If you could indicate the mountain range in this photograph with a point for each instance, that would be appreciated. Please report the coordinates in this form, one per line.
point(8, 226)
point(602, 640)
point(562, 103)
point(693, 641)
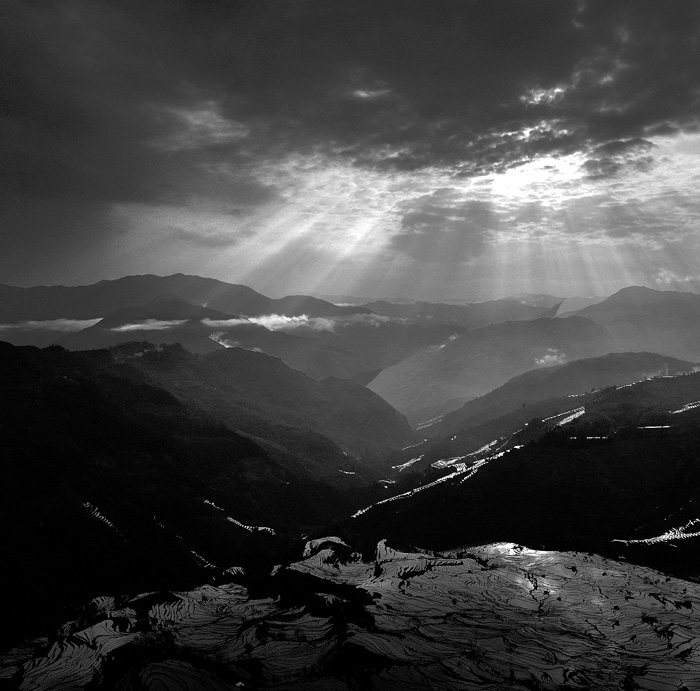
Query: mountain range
point(480, 360)
point(469, 316)
point(434, 382)
point(186, 431)
point(317, 337)
point(99, 299)
point(137, 466)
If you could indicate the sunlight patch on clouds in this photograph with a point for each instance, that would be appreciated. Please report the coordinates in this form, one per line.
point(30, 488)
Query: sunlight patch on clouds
point(551, 357)
point(665, 279)
point(536, 97)
point(279, 322)
point(548, 180)
point(334, 226)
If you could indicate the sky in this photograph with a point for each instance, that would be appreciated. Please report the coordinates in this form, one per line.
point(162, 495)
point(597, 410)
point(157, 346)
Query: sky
point(383, 148)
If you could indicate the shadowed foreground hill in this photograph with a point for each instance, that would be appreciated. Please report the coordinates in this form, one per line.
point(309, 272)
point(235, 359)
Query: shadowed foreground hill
point(496, 616)
point(136, 487)
point(113, 485)
point(255, 393)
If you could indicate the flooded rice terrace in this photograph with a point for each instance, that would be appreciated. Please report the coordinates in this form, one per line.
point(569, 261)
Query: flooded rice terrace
point(492, 617)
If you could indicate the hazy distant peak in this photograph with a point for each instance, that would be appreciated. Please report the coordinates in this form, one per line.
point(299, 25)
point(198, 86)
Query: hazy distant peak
point(633, 295)
point(640, 298)
point(106, 297)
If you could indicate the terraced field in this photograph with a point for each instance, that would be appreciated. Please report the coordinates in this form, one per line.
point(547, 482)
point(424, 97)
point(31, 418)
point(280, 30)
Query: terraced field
point(492, 617)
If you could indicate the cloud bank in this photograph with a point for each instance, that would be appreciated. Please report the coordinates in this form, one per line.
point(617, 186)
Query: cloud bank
point(551, 357)
point(149, 325)
point(280, 322)
point(65, 325)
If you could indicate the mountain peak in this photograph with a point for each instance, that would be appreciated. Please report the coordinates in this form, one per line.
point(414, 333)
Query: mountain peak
point(641, 295)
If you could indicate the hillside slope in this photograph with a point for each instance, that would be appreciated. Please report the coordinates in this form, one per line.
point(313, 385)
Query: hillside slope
point(111, 484)
point(253, 393)
point(570, 379)
point(639, 318)
point(615, 472)
point(483, 359)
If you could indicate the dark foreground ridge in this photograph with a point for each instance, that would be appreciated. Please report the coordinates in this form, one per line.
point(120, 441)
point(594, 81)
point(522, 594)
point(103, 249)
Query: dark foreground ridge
point(492, 617)
point(110, 483)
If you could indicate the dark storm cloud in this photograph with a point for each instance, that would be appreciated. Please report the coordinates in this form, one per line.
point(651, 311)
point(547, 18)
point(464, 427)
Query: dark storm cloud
point(432, 81)
point(90, 93)
point(73, 78)
point(160, 102)
point(410, 84)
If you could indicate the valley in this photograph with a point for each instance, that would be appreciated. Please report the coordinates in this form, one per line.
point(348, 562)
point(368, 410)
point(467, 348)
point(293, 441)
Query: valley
point(350, 345)
point(140, 464)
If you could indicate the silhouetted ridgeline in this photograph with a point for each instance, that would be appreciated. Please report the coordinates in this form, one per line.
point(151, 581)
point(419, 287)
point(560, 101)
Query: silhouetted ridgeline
point(112, 484)
point(99, 299)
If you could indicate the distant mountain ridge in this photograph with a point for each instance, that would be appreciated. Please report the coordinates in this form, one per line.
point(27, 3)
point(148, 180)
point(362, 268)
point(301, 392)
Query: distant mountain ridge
point(98, 299)
point(471, 315)
point(317, 337)
point(658, 321)
point(203, 330)
point(256, 394)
